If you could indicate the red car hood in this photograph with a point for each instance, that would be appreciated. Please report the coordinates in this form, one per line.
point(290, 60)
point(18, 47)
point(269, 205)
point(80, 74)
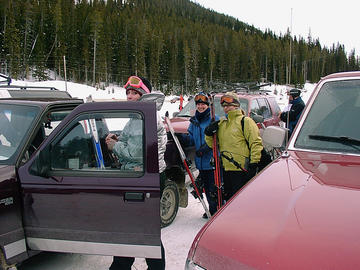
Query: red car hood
point(300, 213)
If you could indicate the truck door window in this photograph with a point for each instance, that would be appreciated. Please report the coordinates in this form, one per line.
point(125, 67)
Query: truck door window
point(83, 146)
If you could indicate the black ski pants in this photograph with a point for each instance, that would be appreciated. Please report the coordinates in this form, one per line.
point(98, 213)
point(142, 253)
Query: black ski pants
point(207, 176)
point(233, 181)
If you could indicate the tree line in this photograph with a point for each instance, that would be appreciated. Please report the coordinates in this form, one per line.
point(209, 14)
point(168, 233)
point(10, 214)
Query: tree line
point(177, 44)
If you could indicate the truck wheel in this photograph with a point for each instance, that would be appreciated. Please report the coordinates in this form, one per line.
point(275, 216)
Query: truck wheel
point(169, 203)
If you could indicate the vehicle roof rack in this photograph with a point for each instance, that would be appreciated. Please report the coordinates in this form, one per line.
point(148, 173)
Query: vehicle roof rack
point(32, 92)
point(250, 87)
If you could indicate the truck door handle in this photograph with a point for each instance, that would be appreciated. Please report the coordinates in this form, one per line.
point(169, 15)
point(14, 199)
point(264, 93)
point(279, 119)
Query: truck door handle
point(134, 196)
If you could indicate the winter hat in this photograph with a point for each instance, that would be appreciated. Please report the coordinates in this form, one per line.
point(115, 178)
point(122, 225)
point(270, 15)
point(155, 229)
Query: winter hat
point(143, 85)
point(201, 97)
point(295, 92)
point(230, 99)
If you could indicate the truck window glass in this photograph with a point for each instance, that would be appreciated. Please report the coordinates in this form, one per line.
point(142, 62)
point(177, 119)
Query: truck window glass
point(15, 123)
point(83, 147)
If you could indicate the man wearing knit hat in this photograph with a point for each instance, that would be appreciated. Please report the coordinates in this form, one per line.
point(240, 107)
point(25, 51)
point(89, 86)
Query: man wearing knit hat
point(128, 149)
point(239, 160)
point(296, 106)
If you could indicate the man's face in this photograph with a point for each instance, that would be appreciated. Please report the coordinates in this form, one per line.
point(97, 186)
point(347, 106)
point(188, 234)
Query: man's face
point(132, 95)
point(201, 107)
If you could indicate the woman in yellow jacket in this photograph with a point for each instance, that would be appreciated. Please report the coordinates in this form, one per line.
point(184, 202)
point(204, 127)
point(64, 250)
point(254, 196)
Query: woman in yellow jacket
point(238, 161)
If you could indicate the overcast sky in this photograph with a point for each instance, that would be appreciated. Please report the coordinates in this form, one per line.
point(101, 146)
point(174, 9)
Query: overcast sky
point(330, 21)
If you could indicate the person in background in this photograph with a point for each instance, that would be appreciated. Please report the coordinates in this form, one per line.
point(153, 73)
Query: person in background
point(203, 154)
point(293, 111)
point(239, 161)
point(137, 87)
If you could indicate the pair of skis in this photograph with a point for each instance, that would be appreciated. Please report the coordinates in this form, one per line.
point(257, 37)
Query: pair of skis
point(216, 156)
point(185, 162)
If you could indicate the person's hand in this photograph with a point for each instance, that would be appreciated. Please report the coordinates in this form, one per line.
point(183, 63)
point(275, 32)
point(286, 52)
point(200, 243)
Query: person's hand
point(111, 136)
point(252, 169)
point(212, 128)
point(110, 141)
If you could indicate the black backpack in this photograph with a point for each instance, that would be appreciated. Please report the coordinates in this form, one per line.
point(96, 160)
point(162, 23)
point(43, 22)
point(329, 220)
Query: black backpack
point(265, 156)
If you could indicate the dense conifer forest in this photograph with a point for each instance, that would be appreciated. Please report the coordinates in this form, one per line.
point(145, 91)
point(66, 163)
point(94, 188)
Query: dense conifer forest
point(177, 44)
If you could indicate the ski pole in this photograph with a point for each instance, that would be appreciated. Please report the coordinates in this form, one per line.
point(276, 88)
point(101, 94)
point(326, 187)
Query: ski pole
point(217, 176)
point(185, 162)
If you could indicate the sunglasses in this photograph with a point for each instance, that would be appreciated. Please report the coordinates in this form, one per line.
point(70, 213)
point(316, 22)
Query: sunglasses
point(201, 97)
point(136, 82)
point(227, 99)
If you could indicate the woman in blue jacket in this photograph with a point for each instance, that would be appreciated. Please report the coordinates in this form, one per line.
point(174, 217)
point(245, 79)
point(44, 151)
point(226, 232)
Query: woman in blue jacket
point(203, 153)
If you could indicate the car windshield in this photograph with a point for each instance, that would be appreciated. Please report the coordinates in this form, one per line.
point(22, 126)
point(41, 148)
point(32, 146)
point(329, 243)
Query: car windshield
point(331, 124)
point(189, 109)
point(15, 122)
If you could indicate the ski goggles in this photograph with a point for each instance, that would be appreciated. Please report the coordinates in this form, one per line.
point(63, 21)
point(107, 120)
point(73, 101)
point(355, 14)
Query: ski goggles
point(228, 100)
point(201, 98)
point(136, 82)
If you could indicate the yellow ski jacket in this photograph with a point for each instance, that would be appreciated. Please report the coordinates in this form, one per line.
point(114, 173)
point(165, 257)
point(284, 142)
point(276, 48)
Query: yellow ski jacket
point(232, 142)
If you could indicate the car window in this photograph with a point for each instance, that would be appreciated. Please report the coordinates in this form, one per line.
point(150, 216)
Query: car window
point(264, 108)
point(274, 105)
point(254, 107)
point(83, 146)
point(330, 124)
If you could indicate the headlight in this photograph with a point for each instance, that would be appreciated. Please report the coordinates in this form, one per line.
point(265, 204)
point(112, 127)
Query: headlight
point(190, 265)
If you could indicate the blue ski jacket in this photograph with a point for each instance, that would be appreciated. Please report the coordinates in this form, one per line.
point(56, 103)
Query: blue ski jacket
point(196, 137)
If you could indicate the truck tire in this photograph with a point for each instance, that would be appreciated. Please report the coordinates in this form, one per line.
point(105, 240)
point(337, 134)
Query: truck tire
point(169, 203)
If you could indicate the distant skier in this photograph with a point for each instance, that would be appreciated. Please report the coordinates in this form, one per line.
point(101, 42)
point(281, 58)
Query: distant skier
point(292, 114)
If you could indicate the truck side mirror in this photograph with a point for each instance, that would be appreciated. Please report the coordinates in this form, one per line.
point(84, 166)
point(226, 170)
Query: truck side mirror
point(41, 164)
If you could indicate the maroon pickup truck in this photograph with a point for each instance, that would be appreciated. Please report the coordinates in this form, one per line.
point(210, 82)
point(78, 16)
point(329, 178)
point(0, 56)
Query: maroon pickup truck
point(60, 190)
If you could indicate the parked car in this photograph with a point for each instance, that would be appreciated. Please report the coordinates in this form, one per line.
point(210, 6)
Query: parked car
point(252, 102)
point(61, 190)
point(301, 211)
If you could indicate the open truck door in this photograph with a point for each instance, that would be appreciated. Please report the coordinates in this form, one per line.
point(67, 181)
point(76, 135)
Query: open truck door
point(79, 198)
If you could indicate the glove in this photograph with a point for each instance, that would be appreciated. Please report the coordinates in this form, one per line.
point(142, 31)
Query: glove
point(252, 169)
point(212, 128)
point(202, 150)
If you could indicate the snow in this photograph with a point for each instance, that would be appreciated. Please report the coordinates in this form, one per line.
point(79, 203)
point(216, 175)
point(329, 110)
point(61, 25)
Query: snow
point(177, 238)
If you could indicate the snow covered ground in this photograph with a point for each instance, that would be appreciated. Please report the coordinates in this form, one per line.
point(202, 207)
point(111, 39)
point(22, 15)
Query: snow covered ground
point(177, 238)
